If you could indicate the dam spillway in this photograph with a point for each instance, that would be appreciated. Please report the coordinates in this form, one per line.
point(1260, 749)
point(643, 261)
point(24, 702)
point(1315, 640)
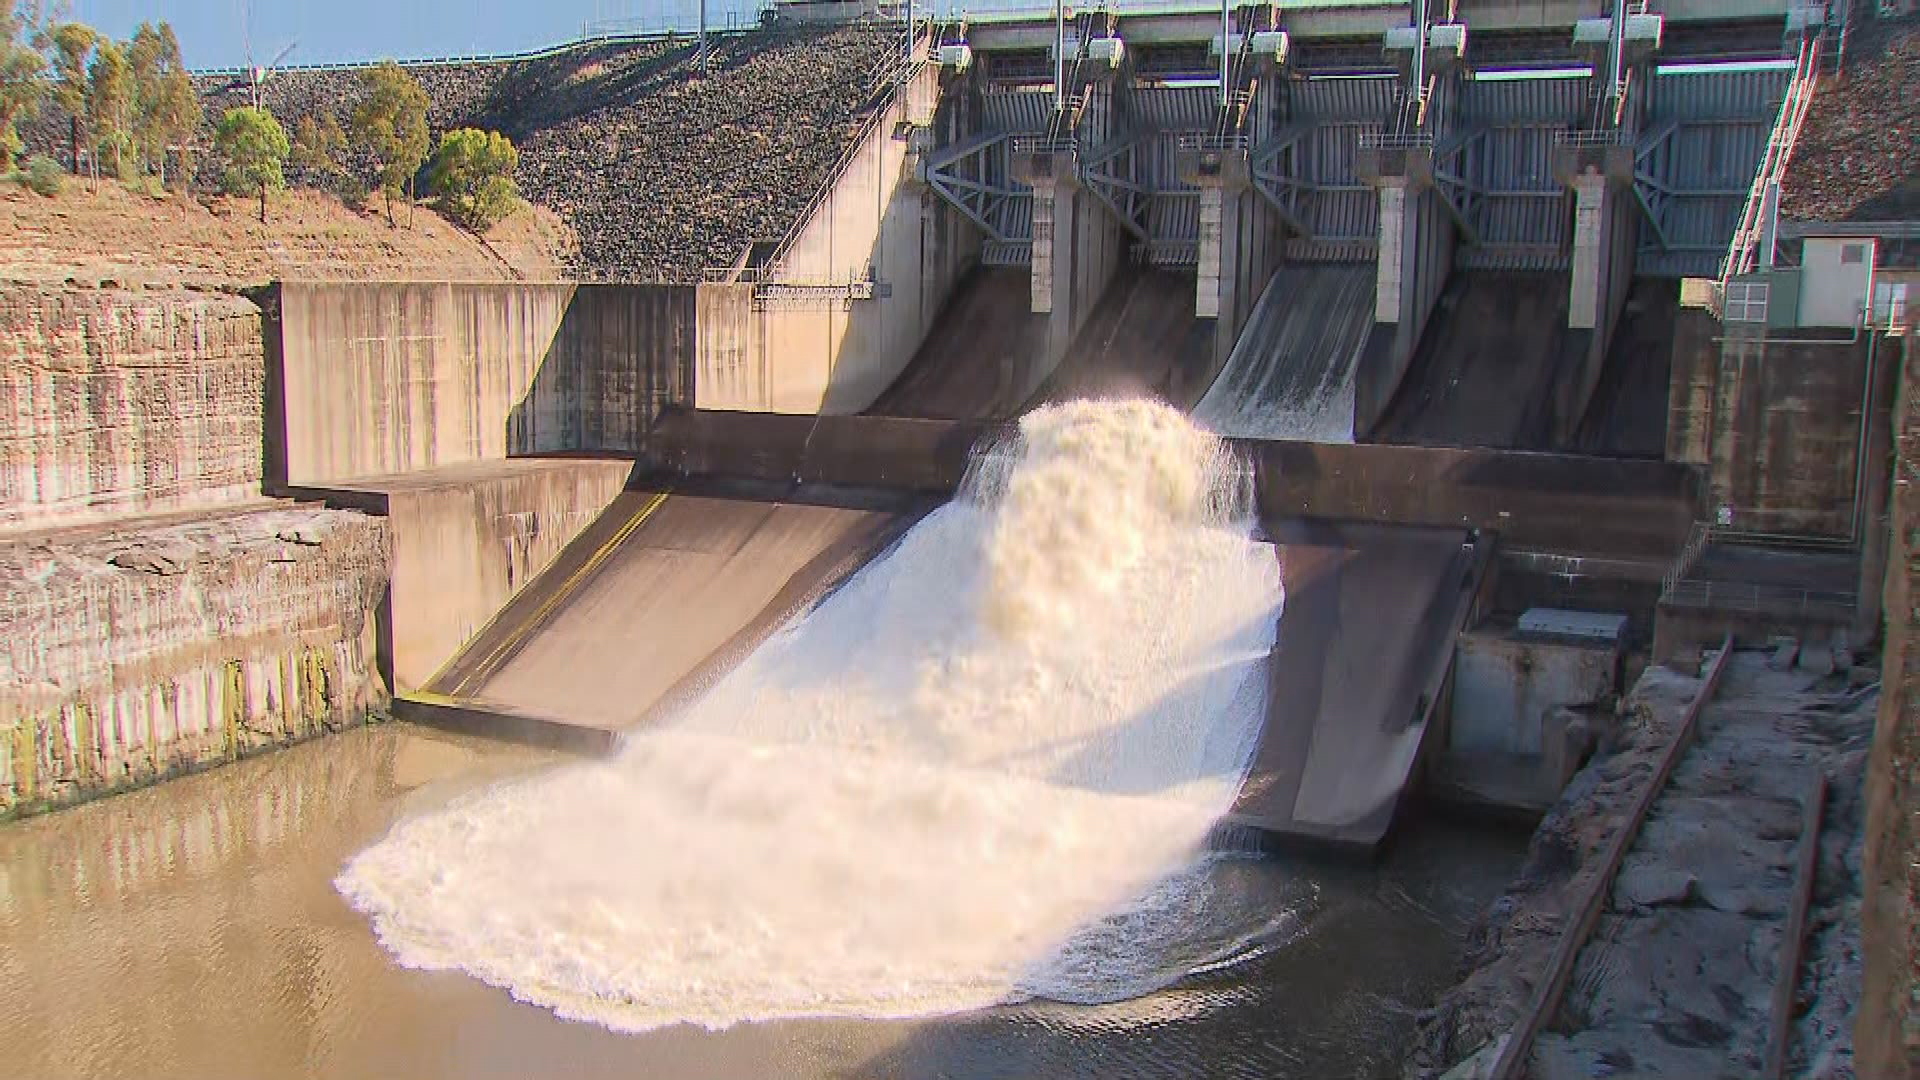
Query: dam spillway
point(728, 510)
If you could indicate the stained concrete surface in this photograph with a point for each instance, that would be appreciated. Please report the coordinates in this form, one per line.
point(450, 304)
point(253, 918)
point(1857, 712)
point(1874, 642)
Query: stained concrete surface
point(1627, 415)
point(986, 356)
point(981, 359)
point(1484, 373)
point(137, 651)
point(643, 601)
point(1362, 645)
point(1142, 340)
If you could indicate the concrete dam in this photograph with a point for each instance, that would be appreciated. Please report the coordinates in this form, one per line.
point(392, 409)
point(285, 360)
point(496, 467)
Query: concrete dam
point(1128, 236)
point(1089, 577)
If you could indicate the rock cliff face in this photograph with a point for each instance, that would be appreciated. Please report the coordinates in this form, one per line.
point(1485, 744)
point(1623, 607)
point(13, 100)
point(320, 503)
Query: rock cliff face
point(133, 654)
point(115, 402)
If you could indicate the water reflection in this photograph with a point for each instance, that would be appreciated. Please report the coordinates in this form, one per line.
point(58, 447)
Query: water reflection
point(191, 930)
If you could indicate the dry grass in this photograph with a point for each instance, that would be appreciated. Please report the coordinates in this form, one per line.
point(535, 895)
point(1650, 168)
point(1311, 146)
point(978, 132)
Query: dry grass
point(112, 234)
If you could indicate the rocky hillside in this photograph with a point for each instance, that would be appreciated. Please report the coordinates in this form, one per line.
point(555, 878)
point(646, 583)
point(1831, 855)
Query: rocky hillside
point(660, 169)
point(1858, 157)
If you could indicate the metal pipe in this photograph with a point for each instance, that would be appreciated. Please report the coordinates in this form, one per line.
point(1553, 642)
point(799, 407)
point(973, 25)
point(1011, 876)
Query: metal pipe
point(1419, 57)
point(1866, 429)
point(1059, 56)
point(1226, 42)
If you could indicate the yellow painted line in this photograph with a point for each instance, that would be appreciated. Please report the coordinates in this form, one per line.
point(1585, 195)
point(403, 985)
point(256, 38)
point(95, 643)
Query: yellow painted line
point(428, 697)
point(486, 667)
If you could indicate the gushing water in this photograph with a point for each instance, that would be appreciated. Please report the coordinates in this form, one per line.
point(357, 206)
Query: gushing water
point(981, 771)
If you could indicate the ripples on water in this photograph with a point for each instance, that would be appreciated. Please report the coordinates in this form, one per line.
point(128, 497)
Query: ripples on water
point(982, 772)
point(191, 931)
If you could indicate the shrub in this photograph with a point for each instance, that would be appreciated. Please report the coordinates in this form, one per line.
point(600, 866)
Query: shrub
point(43, 176)
point(472, 173)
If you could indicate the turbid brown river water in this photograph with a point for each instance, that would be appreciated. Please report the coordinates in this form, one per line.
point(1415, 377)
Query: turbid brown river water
point(192, 930)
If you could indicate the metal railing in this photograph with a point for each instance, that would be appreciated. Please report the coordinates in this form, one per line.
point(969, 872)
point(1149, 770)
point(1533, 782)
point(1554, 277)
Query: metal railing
point(1201, 140)
point(1393, 140)
point(1044, 144)
point(1696, 543)
point(1592, 137)
point(887, 87)
point(1746, 598)
point(592, 35)
point(1743, 247)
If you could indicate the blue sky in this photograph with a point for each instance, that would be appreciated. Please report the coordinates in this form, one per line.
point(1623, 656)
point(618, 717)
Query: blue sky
point(211, 31)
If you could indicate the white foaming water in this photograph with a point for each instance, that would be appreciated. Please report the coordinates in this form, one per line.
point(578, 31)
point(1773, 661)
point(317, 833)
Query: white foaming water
point(981, 771)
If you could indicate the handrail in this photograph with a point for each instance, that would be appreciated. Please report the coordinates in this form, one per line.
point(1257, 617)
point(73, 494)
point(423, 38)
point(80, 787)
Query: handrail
point(585, 41)
point(898, 76)
point(1592, 137)
point(1741, 249)
point(1200, 140)
point(1043, 144)
point(1395, 140)
point(1696, 543)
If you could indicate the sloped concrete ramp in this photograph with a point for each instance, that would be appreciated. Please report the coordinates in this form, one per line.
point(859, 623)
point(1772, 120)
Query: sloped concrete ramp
point(981, 359)
point(1487, 368)
point(1363, 648)
point(1291, 372)
point(1142, 340)
point(659, 596)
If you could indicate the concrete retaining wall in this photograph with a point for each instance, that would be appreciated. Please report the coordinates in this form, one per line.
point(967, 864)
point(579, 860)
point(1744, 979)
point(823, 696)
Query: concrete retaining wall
point(1505, 687)
point(1777, 423)
point(117, 402)
point(465, 540)
point(822, 353)
point(377, 379)
point(127, 657)
point(1572, 504)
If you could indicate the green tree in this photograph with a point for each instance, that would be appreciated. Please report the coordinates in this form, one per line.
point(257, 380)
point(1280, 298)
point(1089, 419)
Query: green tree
point(21, 86)
point(165, 110)
point(254, 146)
point(390, 127)
point(68, 47)
point(318, 144)
point(110, 107)
point(472, 173)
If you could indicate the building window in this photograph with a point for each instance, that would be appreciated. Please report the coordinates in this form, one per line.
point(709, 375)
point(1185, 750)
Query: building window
point(1747, 301)
point(1853, 254)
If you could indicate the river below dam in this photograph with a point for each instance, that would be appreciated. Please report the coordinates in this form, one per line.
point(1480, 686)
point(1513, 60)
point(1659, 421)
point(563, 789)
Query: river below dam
point(960, 818)
point(193, 930)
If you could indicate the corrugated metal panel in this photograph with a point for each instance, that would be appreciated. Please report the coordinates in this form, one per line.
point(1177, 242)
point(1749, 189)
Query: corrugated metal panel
point(1720, 125)
point(1518, 101)
point(1323, 250)
point(1342, 206)
point(1174, 217)
point(1717, 95)
point(1016, 110)
point(1512, 258)
point(1016, 217)
point(1156, 164)
point(1367, 99)
point(1524, 221)
point(1176, 108)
